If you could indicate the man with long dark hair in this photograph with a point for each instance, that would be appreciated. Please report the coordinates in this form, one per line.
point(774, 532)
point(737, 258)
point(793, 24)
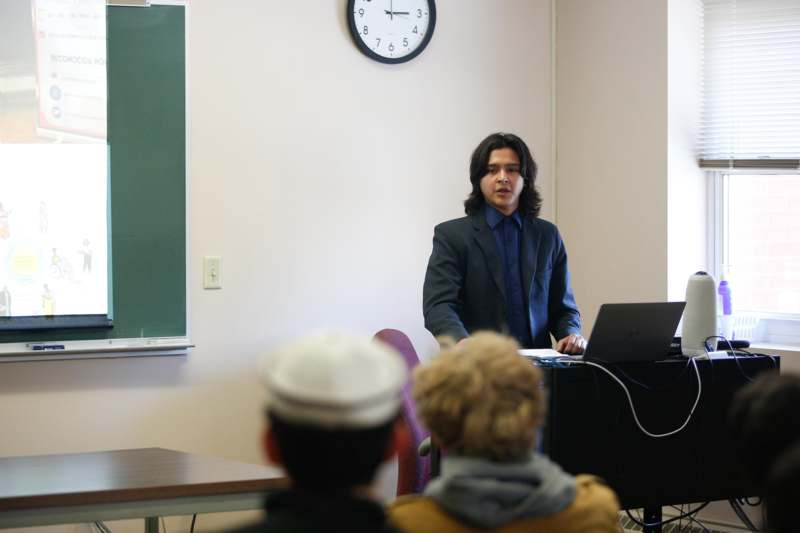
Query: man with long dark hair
point(501, 267)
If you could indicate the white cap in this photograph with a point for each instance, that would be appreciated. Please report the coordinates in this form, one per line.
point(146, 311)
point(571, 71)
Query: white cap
point(334, 379)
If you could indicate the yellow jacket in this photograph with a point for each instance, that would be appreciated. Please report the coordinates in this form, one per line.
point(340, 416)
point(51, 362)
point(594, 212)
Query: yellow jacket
point(595, 509)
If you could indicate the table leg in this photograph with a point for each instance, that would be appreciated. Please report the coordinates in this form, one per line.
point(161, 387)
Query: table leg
point(436, 461)
point(652, 515)
point(151, 524)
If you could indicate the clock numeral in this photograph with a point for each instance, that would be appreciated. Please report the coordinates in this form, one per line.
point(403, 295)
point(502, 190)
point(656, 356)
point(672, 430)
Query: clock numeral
point(414, 30)
point(361, 12)
point(379, 42)
point(366, 30)
point(419, 13)
point(391, 47)
point(405, 42)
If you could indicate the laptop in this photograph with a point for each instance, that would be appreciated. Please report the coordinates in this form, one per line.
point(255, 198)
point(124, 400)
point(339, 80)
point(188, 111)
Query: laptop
point(628, 333)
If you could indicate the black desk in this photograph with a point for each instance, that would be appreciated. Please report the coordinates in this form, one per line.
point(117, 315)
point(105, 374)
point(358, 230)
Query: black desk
point(590, 428)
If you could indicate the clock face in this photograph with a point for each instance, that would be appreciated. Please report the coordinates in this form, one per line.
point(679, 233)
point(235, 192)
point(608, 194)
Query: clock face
point(391, 31)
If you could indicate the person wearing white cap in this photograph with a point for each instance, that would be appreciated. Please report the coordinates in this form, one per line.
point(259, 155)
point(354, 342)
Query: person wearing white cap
point(333, 401)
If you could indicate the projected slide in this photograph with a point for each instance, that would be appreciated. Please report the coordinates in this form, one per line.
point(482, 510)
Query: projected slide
point(70, 42)
point(53, 158)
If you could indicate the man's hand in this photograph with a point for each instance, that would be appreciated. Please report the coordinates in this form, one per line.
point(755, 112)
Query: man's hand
point(571, 344)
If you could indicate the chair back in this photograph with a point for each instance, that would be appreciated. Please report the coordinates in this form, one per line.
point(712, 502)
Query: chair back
point(413, 470)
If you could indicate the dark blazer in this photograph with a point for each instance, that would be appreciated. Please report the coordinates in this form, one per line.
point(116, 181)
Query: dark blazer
point(464, 290)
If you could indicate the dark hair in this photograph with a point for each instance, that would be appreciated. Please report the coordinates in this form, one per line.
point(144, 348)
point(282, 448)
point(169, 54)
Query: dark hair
point(330, 459)
point(766, 421)
point(530, 202)
point(782, 492)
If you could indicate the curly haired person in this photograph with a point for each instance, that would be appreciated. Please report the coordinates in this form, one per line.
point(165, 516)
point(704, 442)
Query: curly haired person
point(484, 405)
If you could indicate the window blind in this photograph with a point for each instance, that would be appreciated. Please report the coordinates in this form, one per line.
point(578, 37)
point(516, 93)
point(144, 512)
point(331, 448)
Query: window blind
point(751, 84)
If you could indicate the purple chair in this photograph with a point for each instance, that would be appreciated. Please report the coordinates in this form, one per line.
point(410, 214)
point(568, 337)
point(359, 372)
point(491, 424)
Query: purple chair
point(414, 469)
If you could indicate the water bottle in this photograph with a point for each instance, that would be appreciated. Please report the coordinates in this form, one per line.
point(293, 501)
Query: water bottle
point(724, 305)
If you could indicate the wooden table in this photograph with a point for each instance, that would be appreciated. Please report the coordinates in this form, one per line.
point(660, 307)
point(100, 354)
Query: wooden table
point(125, 484)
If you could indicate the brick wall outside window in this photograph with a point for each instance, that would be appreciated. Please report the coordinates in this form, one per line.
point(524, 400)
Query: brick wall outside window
point(763, 215)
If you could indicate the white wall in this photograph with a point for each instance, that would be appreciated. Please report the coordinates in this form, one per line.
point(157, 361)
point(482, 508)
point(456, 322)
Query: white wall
point(318, 175)
point(331, 169)
point(687, 185)
point(611, 139)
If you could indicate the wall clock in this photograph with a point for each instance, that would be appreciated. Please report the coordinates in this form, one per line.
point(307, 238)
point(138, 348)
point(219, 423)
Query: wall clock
point(391, 31)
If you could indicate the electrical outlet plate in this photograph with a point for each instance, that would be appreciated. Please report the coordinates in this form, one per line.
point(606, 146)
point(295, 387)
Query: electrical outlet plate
point(212, 272)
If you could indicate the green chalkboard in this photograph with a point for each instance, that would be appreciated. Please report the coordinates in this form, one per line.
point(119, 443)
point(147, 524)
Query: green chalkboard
point(147, 142)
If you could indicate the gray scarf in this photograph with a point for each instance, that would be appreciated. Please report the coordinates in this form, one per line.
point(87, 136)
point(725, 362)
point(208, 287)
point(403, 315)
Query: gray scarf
point(488, 494)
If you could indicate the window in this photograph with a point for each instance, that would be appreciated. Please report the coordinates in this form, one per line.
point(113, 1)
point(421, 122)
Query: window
point(750, 145)
point(758, 230)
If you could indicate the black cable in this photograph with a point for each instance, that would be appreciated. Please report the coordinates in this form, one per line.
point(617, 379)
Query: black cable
point(742, 515)
point(194, 517)
point(771, 357)
point(691, 519)
point(650, 387)
point(732, 353)
point(663, 522)
point(708, 347)
point(736, 359)
point(746, 501)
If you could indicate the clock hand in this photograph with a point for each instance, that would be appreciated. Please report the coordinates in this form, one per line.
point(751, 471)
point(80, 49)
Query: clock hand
point(401, 12)
point(391, 8)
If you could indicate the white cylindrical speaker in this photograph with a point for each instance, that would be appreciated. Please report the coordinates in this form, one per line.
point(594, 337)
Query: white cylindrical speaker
point(699, 315)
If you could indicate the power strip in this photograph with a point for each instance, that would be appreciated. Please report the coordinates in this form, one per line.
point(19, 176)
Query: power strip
point(718, 354)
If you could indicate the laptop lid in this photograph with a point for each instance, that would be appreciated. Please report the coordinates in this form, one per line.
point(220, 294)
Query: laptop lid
point(633, 332)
